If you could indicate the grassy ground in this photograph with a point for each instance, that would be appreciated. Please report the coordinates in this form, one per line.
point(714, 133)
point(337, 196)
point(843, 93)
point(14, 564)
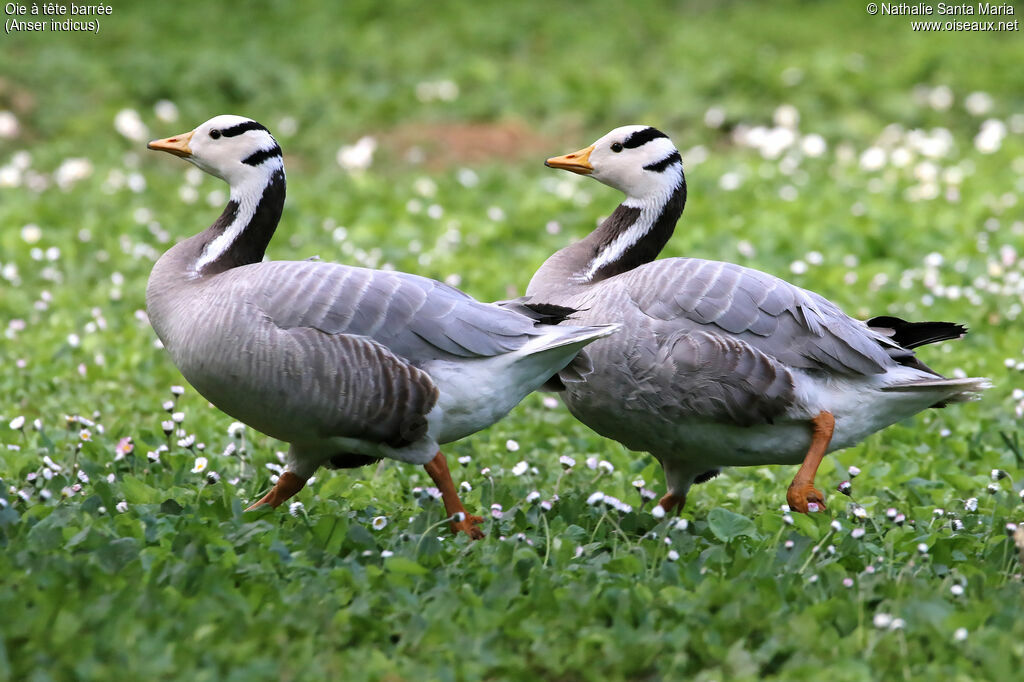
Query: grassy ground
point(115, 566)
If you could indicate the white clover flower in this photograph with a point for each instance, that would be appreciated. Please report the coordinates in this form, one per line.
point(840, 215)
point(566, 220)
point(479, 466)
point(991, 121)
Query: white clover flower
point(167, 425)
point(546, 505)
point(296, 509)
point(496, 511)
point(606, 465)
point(520, 468)
point(177, 391)
point(358, 156)
point(466, 486)
point(187, 442)
point(48, 474)
point(960, 635)
point(872, 159)
point(714, 117)
point(533, 496)
point(730, 181)
point(17, 423)
point(672, 555)
point(990, 138)
point(940, 98)
point(166, 110)
point(549, 402)
point(857, 533)
point(836, 526)
point(971, 504)
point(939, 512)
point(591, 462)
point(465, 459)
point(922, 548)
point(956, 589)
point(379, 522)
point(998, 474)
point(788, 544)
point(882, 621)
point(128, 123)
point(567, 462)
point(168, 405)
point(121, 507)
point(595, 497)
point(178, 417)
point(71, 171)
point(891, 512)
point(639, 483)
point(658, 512)
point(511, 445)
point(787, 519)
point(9, 126)
point(200, 465)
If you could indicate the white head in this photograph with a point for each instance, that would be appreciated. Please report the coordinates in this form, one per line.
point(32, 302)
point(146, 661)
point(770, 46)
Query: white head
point(236, 149)
point(638, 160)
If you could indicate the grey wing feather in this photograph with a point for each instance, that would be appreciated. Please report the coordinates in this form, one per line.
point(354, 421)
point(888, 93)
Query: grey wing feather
point(378, 396)
point(701, 375)
point(414, 317)
point(795, 326)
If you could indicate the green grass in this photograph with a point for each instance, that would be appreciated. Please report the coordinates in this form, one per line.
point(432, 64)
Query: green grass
point(149, 571)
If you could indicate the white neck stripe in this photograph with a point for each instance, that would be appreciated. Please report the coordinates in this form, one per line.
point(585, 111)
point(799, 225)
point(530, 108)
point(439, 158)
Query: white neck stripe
point(650, 209)
point(248, 197)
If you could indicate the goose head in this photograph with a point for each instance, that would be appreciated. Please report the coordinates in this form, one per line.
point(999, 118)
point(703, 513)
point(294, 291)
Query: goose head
point(235, 149)
point(637, 160)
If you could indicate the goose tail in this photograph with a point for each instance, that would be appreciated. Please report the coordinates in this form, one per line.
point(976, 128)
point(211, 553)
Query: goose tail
point(945, 391)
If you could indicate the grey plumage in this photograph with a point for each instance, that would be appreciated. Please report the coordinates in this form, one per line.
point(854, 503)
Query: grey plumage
point(346, 364)
point(719, 364)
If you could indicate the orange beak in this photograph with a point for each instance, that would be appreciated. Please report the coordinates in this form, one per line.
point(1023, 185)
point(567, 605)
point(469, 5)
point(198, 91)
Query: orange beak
point(177, 145)
point(577, 162)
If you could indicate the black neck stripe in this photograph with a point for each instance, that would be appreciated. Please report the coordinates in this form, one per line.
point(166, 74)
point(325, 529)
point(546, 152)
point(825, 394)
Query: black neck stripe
point(262, 155)
point(660, 166)
point(642, 137)
point(242, 128)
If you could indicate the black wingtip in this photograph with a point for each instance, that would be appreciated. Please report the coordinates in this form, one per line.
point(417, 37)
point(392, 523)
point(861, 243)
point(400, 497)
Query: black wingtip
point(910, 335)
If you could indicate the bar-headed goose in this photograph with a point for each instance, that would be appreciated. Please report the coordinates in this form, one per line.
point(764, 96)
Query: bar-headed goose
point(345, 364)
point(718, 364)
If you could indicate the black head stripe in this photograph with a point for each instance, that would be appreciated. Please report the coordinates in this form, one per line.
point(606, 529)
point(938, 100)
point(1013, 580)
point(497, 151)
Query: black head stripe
point(660, 166)
point(262, 155)
point(242, 128)
point(642, 137)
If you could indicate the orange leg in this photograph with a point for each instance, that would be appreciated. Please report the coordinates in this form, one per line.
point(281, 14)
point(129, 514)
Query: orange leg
point(287, 485)
point(802, 493)
point(438, 470)
point(670, 501)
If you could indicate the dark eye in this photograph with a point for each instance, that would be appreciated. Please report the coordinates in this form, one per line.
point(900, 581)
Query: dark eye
point(616, 147)
point(215, 134)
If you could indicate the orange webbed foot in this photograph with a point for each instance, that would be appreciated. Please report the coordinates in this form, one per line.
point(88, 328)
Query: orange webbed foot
point(468, 525)
point(805, 498)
